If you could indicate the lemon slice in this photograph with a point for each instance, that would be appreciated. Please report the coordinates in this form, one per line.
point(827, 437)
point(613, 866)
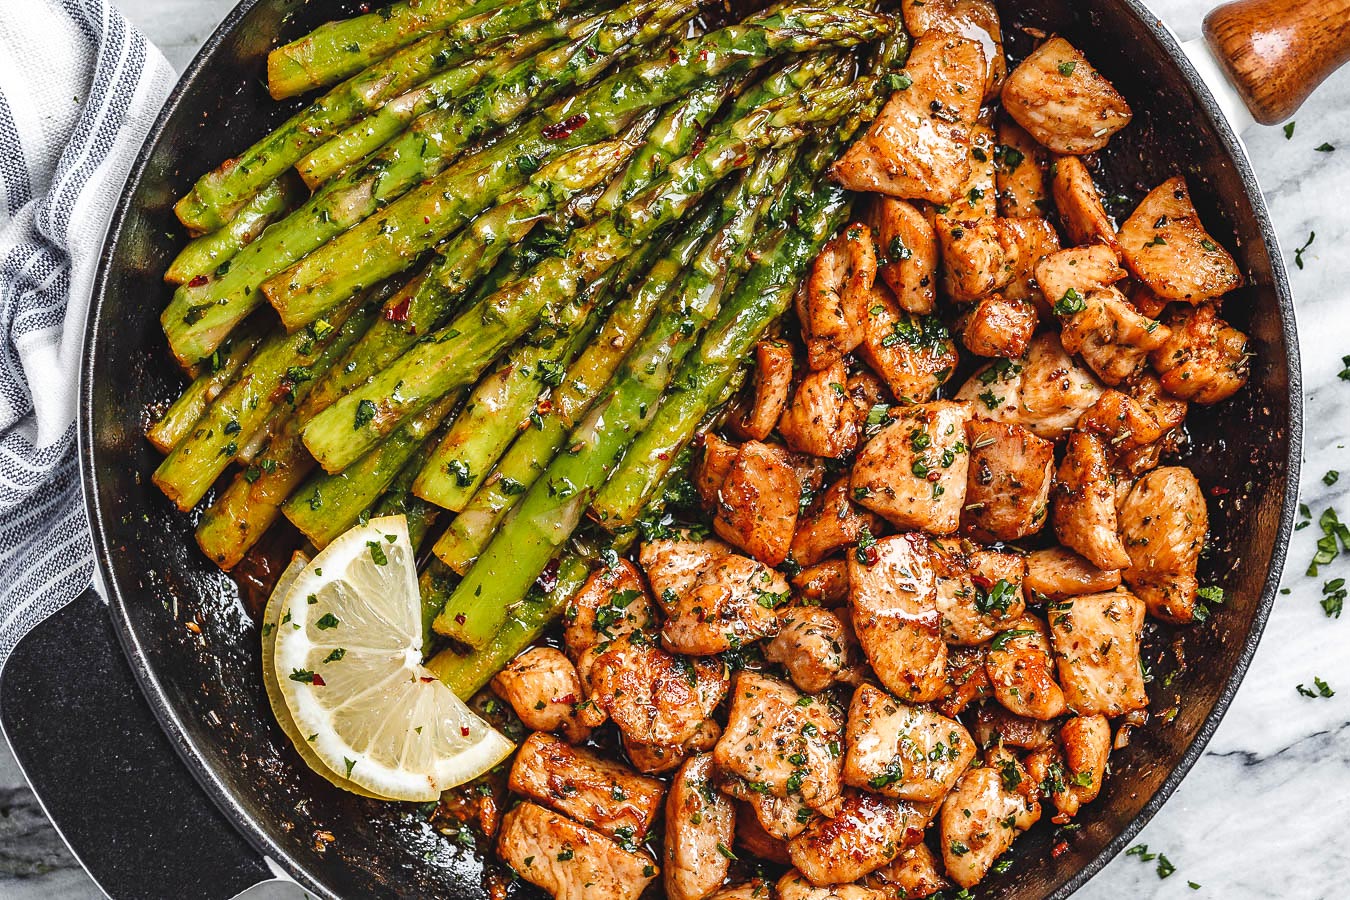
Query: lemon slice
point(348, 663)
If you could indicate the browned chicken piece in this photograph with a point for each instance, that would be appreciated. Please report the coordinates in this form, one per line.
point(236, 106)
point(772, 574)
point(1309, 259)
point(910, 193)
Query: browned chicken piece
point(914, 354)
point(1021, 176)
point(1096, 639)
point(824, 584)
point(913, 875)
point(544, 689)
point(980, 819)
point(781, 818)
point(771, 386)
point(1034, 239)
point(913, 472)
point(978, 196)
point(996, 724)
point(1203, 359)
point(1022, 670)
point(867, 833)
point(1121, 421)
point(966, 680)
point(1087, 744)
point(714, 599)
point(919, 145)
point(903, 751)
point(817, 647)
point(907, 253)
point(714, 464)
point(1080, 205)
point(979, 256)
point(1046, 391)
point(819, 420)
point(655, 759)
point(597, 792)
point(997, 326)
point(652, 696)
point(750, 890)
point(570, 861)
point(838, 288)
point(1084, 507)
point(893, 599)
point(1062, 101)
point(613, 601)
point(792, 886)
point(1144, 300)
point(978, 591)
point(835, 522)
point(974, 19)
point(1163, 520)
point(699, 827)
point(1168, 414)
point(754, 507)
point(1008, 483)
point(1167, 248)
point(1105, 330)
point(865, 391)
point(751, 837)
point(779, 740)
point(1057, 573)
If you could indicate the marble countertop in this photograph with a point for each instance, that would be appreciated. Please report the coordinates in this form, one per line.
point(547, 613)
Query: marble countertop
point(1262, 813)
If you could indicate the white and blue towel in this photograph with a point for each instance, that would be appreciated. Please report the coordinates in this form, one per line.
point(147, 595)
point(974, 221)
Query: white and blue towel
point(79, 90)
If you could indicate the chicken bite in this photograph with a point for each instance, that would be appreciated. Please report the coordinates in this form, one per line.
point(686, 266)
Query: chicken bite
point(699, 828)
point(824, 584)
point(1087, 746)
point(914, 354)
point(1034, 239)
point(975, 19)
point(771, 386)
point(1057, 573)
point(652, 696)
point(792, 886)
point(893, 599)
point(1203, 359)
point(656, 759)
point(913, 472)
point(1084, 508)
point(837, 291)
point(544, 689)
point(570, 861)
point(903, 751)
point(1080, 207)
point(978, 590)
point(1022, 671)
point(966, 682)
point(1008, 482)
point(907, 253)
point(755, 503)
point(835, 522)
point(1046, 391)
point(1021, 175)
point(817, 647)
point(1163, 521)
point(980, 819)
point(1114, 340)
point(913, 875)
point(1167, 247)
point(867, 833)
point(1066, 275)
point(1096, 640)
point(1063, 102)
point(613, 601)
point(997, 326)
point(820, 420)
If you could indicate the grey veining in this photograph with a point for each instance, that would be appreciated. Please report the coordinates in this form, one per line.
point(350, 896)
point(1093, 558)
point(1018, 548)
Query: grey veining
point(1263, 812)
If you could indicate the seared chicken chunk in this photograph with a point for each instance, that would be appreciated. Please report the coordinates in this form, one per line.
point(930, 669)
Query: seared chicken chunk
point(913, 472)
point(913, 875)
point(699, 826)
point(1034, 239)
point(570, 861)
point(980, 820)
point(1163, 520)
point(978, 256)
point(817, 647)
point(1062, 101)
point(655, 759)
point(1203, 358)
point(866, 834)
point(835, 522)
point(652, 696)
point(918, 147)
point(824, 584)
point(1113, 339)
point(893, 599)
point(1008, 482)
point(903, 751)
point(966, 680)
point(613, 601)
point(907, 253)
point(995, 724)
point(997, 326)
point(1087, 744)
point(1080, 205)
point(1023, 188)
point(755, 504)
point(1084, 509)
point(975, 19)
point(1022, 670)
point(751, 837)
point(1047, 391)
point(1057, 572)
point(793, 886)
point(978, 591)
point(819, 420)
point(914, 354)
point(544, 689)
point(714, 599)
point(1168, 414)
point(1096, 639)
point(837, 291)
point(781, 818)
point(714, 464)
point(1167, 248)
point(599, 793)
point(772, 386)
point(779, 740)
point(1065, 276)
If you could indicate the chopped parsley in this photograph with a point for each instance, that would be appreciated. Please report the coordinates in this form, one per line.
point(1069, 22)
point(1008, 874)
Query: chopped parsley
point(1319, 689)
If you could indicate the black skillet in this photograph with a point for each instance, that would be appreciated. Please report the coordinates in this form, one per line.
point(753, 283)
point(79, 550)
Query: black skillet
point(96, 754)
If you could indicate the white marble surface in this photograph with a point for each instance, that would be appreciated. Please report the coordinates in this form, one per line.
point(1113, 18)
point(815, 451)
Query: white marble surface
point(1263, 813)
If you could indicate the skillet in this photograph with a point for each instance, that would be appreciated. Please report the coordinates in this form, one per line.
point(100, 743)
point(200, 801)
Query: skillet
point(191, 640)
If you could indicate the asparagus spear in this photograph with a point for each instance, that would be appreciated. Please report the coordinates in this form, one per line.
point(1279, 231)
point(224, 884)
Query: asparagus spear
point(337, 49)
point(216, 375)
point(279, 371)
point(249, 506)
point(203, 255)
point(198, 318)
point(217, 195)
point(458, 354)
point(551, 509)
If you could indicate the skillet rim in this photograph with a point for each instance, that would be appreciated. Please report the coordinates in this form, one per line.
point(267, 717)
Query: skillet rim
point(276, 857)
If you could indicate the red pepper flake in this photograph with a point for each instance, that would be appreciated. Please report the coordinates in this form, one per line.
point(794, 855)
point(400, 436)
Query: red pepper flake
point(1218, 490)
point(317, 681)
point(566, 698)
point(869, 554)
point(425, 679)
point(464, 730)
point(933, 476)
point(399, 311)
point(426, 220)
point(703, 56)
point(699, 143)
point(982, 582)
point(198, 281)
point(548, 579)
point(565, 128)
point(460, 618)
point(663, 456)
point(1059, 849)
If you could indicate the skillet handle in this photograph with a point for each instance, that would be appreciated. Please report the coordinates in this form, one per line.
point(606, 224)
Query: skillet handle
point(106, 774)
point(1276, 52)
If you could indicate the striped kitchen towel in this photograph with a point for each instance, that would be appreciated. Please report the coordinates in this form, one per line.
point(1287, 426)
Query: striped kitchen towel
point(79, 89)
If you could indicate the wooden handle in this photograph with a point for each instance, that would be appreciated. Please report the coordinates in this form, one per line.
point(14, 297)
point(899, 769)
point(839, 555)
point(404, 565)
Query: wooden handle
point(1277, 51)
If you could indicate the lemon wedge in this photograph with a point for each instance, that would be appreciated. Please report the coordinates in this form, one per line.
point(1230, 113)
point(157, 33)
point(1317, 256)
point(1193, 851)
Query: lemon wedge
point(347, 662)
